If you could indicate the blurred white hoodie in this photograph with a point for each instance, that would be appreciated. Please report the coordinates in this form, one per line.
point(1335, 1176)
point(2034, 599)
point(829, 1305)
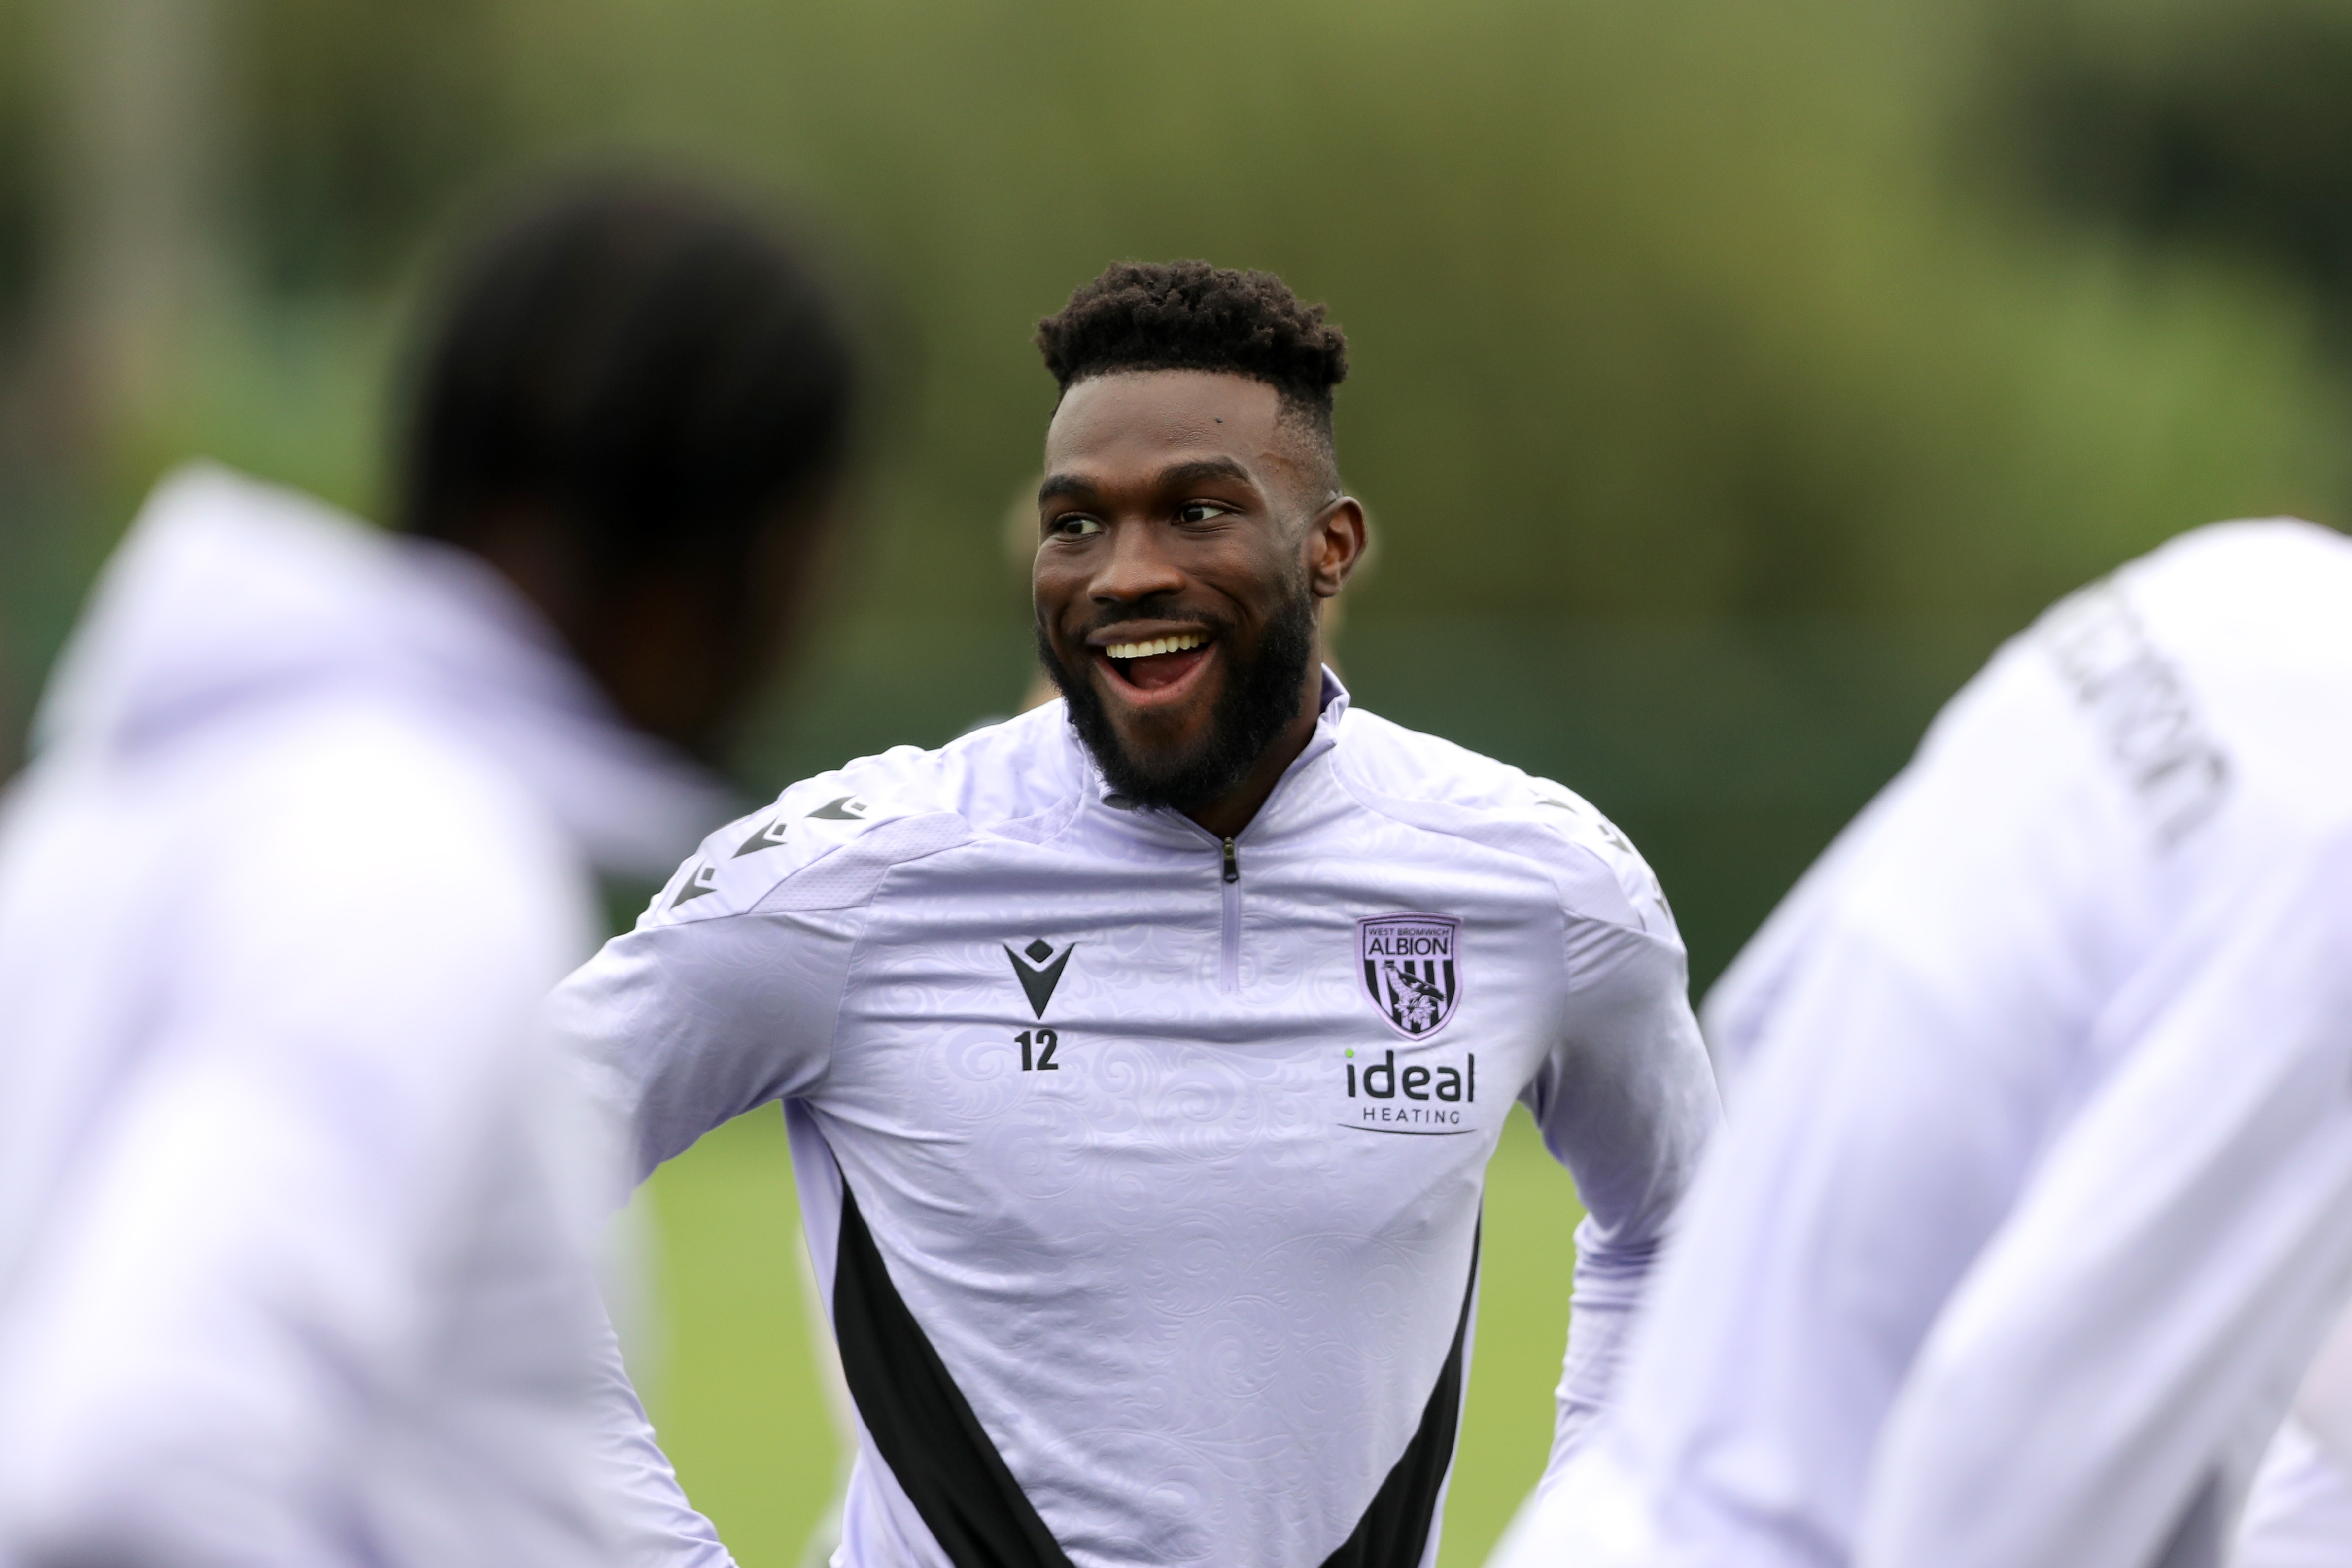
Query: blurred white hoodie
point(292, 1228)
point(2036, 1192)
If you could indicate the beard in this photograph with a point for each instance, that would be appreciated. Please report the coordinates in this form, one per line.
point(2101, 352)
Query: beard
point(1259, 701)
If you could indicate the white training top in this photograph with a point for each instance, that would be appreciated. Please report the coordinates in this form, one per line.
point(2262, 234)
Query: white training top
point(1142, 1171)
point(2038, 1188)
point(291, 1234)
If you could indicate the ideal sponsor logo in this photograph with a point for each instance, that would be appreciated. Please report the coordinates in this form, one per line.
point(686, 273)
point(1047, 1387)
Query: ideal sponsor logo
point(1411, 970)
point(1384, 1079)
point(1419, 1097)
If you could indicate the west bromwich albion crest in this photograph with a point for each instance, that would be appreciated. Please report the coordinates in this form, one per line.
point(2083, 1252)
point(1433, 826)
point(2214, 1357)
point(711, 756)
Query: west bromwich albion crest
point(1412, 969)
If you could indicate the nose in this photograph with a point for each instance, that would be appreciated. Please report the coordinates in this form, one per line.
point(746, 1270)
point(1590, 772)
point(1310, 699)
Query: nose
point(1136, 567)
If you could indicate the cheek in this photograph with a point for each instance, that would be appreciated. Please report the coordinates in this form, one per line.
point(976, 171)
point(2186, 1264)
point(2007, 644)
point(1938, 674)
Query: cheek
point(1052, 591)
point(1255, 590)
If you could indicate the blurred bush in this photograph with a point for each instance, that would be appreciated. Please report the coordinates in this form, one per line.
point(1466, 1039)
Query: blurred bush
point(1729, 378)
point(356, 121)
point(2226, 129)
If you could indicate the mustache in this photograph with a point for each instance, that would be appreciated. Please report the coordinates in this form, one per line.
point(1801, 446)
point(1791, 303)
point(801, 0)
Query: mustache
point(1259, 695)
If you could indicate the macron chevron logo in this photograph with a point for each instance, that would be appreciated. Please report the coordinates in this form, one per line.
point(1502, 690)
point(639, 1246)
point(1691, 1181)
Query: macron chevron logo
point(768, 837)
point(704, 880)
point(1037, 976)
point(848, 808)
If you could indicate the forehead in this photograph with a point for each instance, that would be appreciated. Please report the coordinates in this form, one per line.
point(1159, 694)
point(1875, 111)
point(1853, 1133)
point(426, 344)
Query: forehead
point(1137, 422)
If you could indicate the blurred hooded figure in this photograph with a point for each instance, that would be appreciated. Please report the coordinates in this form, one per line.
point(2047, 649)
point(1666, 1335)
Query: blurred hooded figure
point(2035, 1199)
point(294, 1221)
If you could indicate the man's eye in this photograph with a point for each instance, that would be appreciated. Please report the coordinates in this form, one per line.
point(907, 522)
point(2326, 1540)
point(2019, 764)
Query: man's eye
point(1201, 511)
point(1076, 527)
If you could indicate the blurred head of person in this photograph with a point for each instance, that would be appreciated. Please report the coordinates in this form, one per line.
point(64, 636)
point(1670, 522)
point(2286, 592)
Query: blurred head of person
point(636, 403)
point(1190, 521)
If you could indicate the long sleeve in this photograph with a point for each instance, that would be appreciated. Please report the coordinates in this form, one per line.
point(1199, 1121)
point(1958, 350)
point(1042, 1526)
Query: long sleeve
point(646, 1511)
point(676, 1028)
point(2164, 1278)
point(680, 1026)
point(723, 998)
point(1628, 1103)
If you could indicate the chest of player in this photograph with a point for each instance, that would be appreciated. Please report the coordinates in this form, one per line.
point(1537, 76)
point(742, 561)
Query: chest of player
point(1052, 1027)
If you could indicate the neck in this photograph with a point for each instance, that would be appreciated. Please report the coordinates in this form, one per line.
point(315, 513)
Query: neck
point(1238, 806)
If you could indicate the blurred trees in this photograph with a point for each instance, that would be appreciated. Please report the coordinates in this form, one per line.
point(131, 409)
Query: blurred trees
point(2224, 129)
point(1702, 349)
point(358, 121)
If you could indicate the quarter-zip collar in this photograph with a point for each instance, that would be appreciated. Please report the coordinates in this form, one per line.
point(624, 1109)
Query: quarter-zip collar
point(1174, 829)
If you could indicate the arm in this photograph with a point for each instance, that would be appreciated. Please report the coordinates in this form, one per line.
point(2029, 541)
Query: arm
point(1627, 1102)
point(675, 1028)
point(722, 999)
point(696, 1017)
point(2170, 1268)
point(644, 1507)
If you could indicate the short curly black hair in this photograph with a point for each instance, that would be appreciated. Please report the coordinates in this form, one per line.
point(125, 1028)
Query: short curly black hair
point(1188, 315)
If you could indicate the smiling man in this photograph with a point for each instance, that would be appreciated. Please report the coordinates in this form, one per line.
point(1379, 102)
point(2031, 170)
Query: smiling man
point(1142, 1056)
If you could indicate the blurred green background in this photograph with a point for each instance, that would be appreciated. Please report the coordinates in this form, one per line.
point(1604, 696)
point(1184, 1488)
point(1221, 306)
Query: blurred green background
point(1729, 380)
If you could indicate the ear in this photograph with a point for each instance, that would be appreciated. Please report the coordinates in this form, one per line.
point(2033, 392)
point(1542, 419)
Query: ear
point(1334, 544)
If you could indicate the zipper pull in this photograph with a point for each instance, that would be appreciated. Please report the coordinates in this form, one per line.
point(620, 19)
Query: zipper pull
point(1232, 863)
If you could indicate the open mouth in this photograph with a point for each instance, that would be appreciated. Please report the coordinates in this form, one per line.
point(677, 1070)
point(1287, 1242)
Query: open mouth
point(1156, 666)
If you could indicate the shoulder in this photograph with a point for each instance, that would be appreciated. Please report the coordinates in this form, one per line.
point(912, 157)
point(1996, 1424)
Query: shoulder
point(829, 841)
point(357, 825)
point(2270, 554)
point(372, 788)
point(1442, 788)
point(2275, 593)
point(2200, 682)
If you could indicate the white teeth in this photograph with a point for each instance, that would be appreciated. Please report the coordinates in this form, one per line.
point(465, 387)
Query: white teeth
point(1177, 643)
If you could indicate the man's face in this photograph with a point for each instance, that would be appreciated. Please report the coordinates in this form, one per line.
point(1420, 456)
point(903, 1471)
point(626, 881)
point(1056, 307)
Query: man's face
point(1186, 535)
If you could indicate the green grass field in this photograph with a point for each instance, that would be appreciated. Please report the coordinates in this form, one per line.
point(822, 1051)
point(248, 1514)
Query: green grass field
point(738, 1403)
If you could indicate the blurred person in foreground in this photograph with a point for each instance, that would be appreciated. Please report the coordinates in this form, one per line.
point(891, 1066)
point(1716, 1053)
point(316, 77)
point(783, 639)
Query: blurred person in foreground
point(294, 1221)
point(2036, 1197)
point(1142, 1055)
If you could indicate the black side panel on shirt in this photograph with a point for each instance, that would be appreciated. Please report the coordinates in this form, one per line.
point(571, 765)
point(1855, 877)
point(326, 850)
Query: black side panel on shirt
point(925, 1431)
point(1394, 1532)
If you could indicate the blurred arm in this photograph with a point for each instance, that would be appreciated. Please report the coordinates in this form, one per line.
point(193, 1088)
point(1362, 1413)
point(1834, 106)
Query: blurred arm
point(2170, 1269)
point(1873, 1152)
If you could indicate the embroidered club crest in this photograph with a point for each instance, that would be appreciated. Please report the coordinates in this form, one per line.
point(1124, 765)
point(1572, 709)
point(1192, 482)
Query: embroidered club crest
point(1411, 970)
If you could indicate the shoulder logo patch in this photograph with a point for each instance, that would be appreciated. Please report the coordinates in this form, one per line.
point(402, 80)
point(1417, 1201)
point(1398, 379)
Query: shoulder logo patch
point(848, 808)
point(1037, 976)
point(768, 837)
point(704, 880)
point(1411, 970)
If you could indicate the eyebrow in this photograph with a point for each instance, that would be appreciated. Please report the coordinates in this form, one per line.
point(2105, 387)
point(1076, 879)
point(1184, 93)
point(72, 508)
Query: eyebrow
point(1065, 487)
point(1176, 475)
